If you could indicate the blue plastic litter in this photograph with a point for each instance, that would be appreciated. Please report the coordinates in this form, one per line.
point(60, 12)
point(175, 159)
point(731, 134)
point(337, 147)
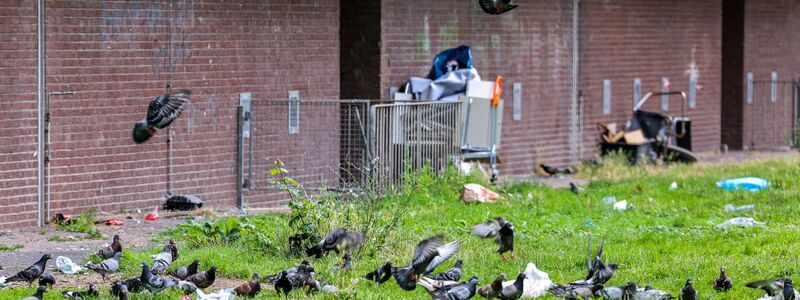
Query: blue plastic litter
point(462, 55)
point(752, 184)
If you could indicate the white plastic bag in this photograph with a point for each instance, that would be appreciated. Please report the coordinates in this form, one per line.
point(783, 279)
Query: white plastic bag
point(741, 222)
point(66, 266)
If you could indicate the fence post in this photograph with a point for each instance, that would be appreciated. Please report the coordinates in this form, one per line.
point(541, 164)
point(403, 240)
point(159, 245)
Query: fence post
point(240, 119)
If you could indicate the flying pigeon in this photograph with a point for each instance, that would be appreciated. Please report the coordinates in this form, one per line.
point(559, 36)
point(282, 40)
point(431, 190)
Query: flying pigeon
point(496, 7)
point(493, 289)
point(110, 250)
point(501, 230)
point(428, 254)
point(337, 240)
point(513, 291)
point(598, 272)
point(120, 290)
point(781, 289)
point(47, 280)
point(453, 274)
point(688, 292)
point(161, 261)
point(38, 295)
point(154, 283)
point(107, 266)
point(160, 113)
point(31, 273)
point(82, 295)
point(203, 279)
point(183, 272)
point(249, 289)
point(382, 274)
point(723, 282)
point(462, 291)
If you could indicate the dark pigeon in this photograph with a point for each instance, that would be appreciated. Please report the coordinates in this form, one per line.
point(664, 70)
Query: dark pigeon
point(109, 251)
point(428, 254)
point(154, 283)
point(453, 274)
point(382, 274)
point(617, 292)
point(160, 113)
point(186, 271)
point(462, 291)
point(338, 240)
point(30, 274)
point(296, 275)
point(781, 289)
point(496, 7)
point(107, 266)
point(549, 170)
point(203, 279)
point(82, 295)
point(120, 290)
point(723, 282)
point(513, 291)
point(575, 188)
point(688, 292)
point(38, 295)
point(598, 272)
point(249, 289)
point(493, 289)
point(501, 230)
point(47, 280)
point(283, 285)
point(134, 284)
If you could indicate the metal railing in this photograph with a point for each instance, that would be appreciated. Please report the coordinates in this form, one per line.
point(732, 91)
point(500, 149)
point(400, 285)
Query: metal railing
point(772, 111)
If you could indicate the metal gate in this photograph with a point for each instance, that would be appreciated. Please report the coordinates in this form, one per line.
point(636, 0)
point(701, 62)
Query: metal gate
point(771, 107)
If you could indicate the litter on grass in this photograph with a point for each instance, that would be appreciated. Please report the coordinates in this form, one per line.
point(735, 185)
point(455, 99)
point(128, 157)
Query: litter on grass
point(66, 266)
point(610, 200)
point(741, 222)
point(3, 282)
point(673, 186)
point(751, 184)
point(223, 294)
point(730, 207)
point(622, 205)
point(472, 193)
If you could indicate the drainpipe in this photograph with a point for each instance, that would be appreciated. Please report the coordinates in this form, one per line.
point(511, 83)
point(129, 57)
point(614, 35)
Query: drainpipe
point(576, 134)
point(41, 98)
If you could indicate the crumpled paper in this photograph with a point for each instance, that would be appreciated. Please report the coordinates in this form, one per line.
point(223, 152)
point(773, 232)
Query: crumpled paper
point(472, 193)
point(3, 282)
point(66, 266)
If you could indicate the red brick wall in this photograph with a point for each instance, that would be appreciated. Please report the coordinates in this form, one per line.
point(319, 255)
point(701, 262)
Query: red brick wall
point(530, 45)
point(118, 55)
point(626, 39)
point(18, 131)
point(770, 44)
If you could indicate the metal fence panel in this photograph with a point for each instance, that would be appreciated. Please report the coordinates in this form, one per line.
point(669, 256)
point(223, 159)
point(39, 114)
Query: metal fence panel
point(771, 104)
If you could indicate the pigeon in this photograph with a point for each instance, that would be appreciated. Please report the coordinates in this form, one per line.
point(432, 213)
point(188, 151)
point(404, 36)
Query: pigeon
point(319, 286)
point(723, 282)
point(107, 266)
point(536, 282)
point(109, 251)
point(82, 295)
point(203, 279)
point(154, 283)
point(462, 291)
point(337, 240)
point(47, 280)
point(134, 284)
point(249, 289)
point(174, 249)
point(582, 292)
point(296, 275)
point(161, 261)
point(428, 254)
point(550, 171)
point(649, 293)
point(183, 272)
point(624, 292)
point(453, 274)
point(382, 274)
point(598, 272)
point(781, 289)
point(38, 295)
point(513, 291)
point(345, 266)
point(160, 113)
point(187, 287)
point(120, 290)
point(688, 292)
point(496, 7)
point(501, 230)
point(493, 289)
point(31, 273)
point(575, 188)
point(283, 285)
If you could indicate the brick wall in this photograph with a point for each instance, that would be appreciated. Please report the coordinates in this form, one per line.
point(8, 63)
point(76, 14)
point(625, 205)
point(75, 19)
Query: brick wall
point(530, 45)
point(18, 131)
point(770, 45)
point(118, 55)
point(626, 39)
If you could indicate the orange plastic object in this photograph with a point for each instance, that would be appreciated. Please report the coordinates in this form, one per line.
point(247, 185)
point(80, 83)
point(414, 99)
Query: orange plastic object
point(498, 90)
point(152, 216)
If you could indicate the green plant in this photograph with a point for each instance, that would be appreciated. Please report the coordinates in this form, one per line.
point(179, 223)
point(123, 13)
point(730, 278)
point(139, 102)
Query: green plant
point(307, 211)
point(85, 223)
point(4, 248)
point(223, 231)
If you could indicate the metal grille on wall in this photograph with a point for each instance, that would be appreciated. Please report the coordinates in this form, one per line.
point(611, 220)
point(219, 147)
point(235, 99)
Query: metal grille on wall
point(772, 112)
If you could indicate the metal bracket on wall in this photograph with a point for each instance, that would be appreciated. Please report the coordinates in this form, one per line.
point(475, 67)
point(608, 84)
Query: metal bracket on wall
point(692, 90)
point(749, 87)
point(665, 96)
point(517, 101)
point(607, 96)
point(245, 101)
point(294, 112)
point(637, 90)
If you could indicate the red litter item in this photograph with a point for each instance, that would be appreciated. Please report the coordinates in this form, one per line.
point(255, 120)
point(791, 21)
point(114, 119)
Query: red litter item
point(115, 222)
point(152, 216)
point(186, 298)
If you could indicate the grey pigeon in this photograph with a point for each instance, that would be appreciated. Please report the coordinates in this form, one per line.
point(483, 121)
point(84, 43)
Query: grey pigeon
point(688, 292)
point(428, 254)
point(47, 279)
point(120, 290)
point(338, 240)
point(575, 188)
point(781, 289)
point(319, 286)
point(346, 263)
point(162, 260)
point(31, 273)
point(582, 292)
point(203, 279)
point(38, 295)
point(110, 250)
point(187, 287)
point(462, 291)
point(107, 266)
point(160, 113)
point(624, 292)
point(649, 293)
point(186, 271)
point(513, 291)
point(82, 295)
point(493, 289)
point(382, 274)
point(154, 283)
point(249, 289)
point(598, 272)
point(452, 274)
point(501, 230)
point(723, 282)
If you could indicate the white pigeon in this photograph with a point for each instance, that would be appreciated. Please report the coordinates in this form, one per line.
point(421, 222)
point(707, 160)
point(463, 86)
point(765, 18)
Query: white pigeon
point(536, 282)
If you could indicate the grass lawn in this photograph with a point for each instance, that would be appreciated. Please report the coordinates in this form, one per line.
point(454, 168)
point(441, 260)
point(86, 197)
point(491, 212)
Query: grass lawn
point(664, 238)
